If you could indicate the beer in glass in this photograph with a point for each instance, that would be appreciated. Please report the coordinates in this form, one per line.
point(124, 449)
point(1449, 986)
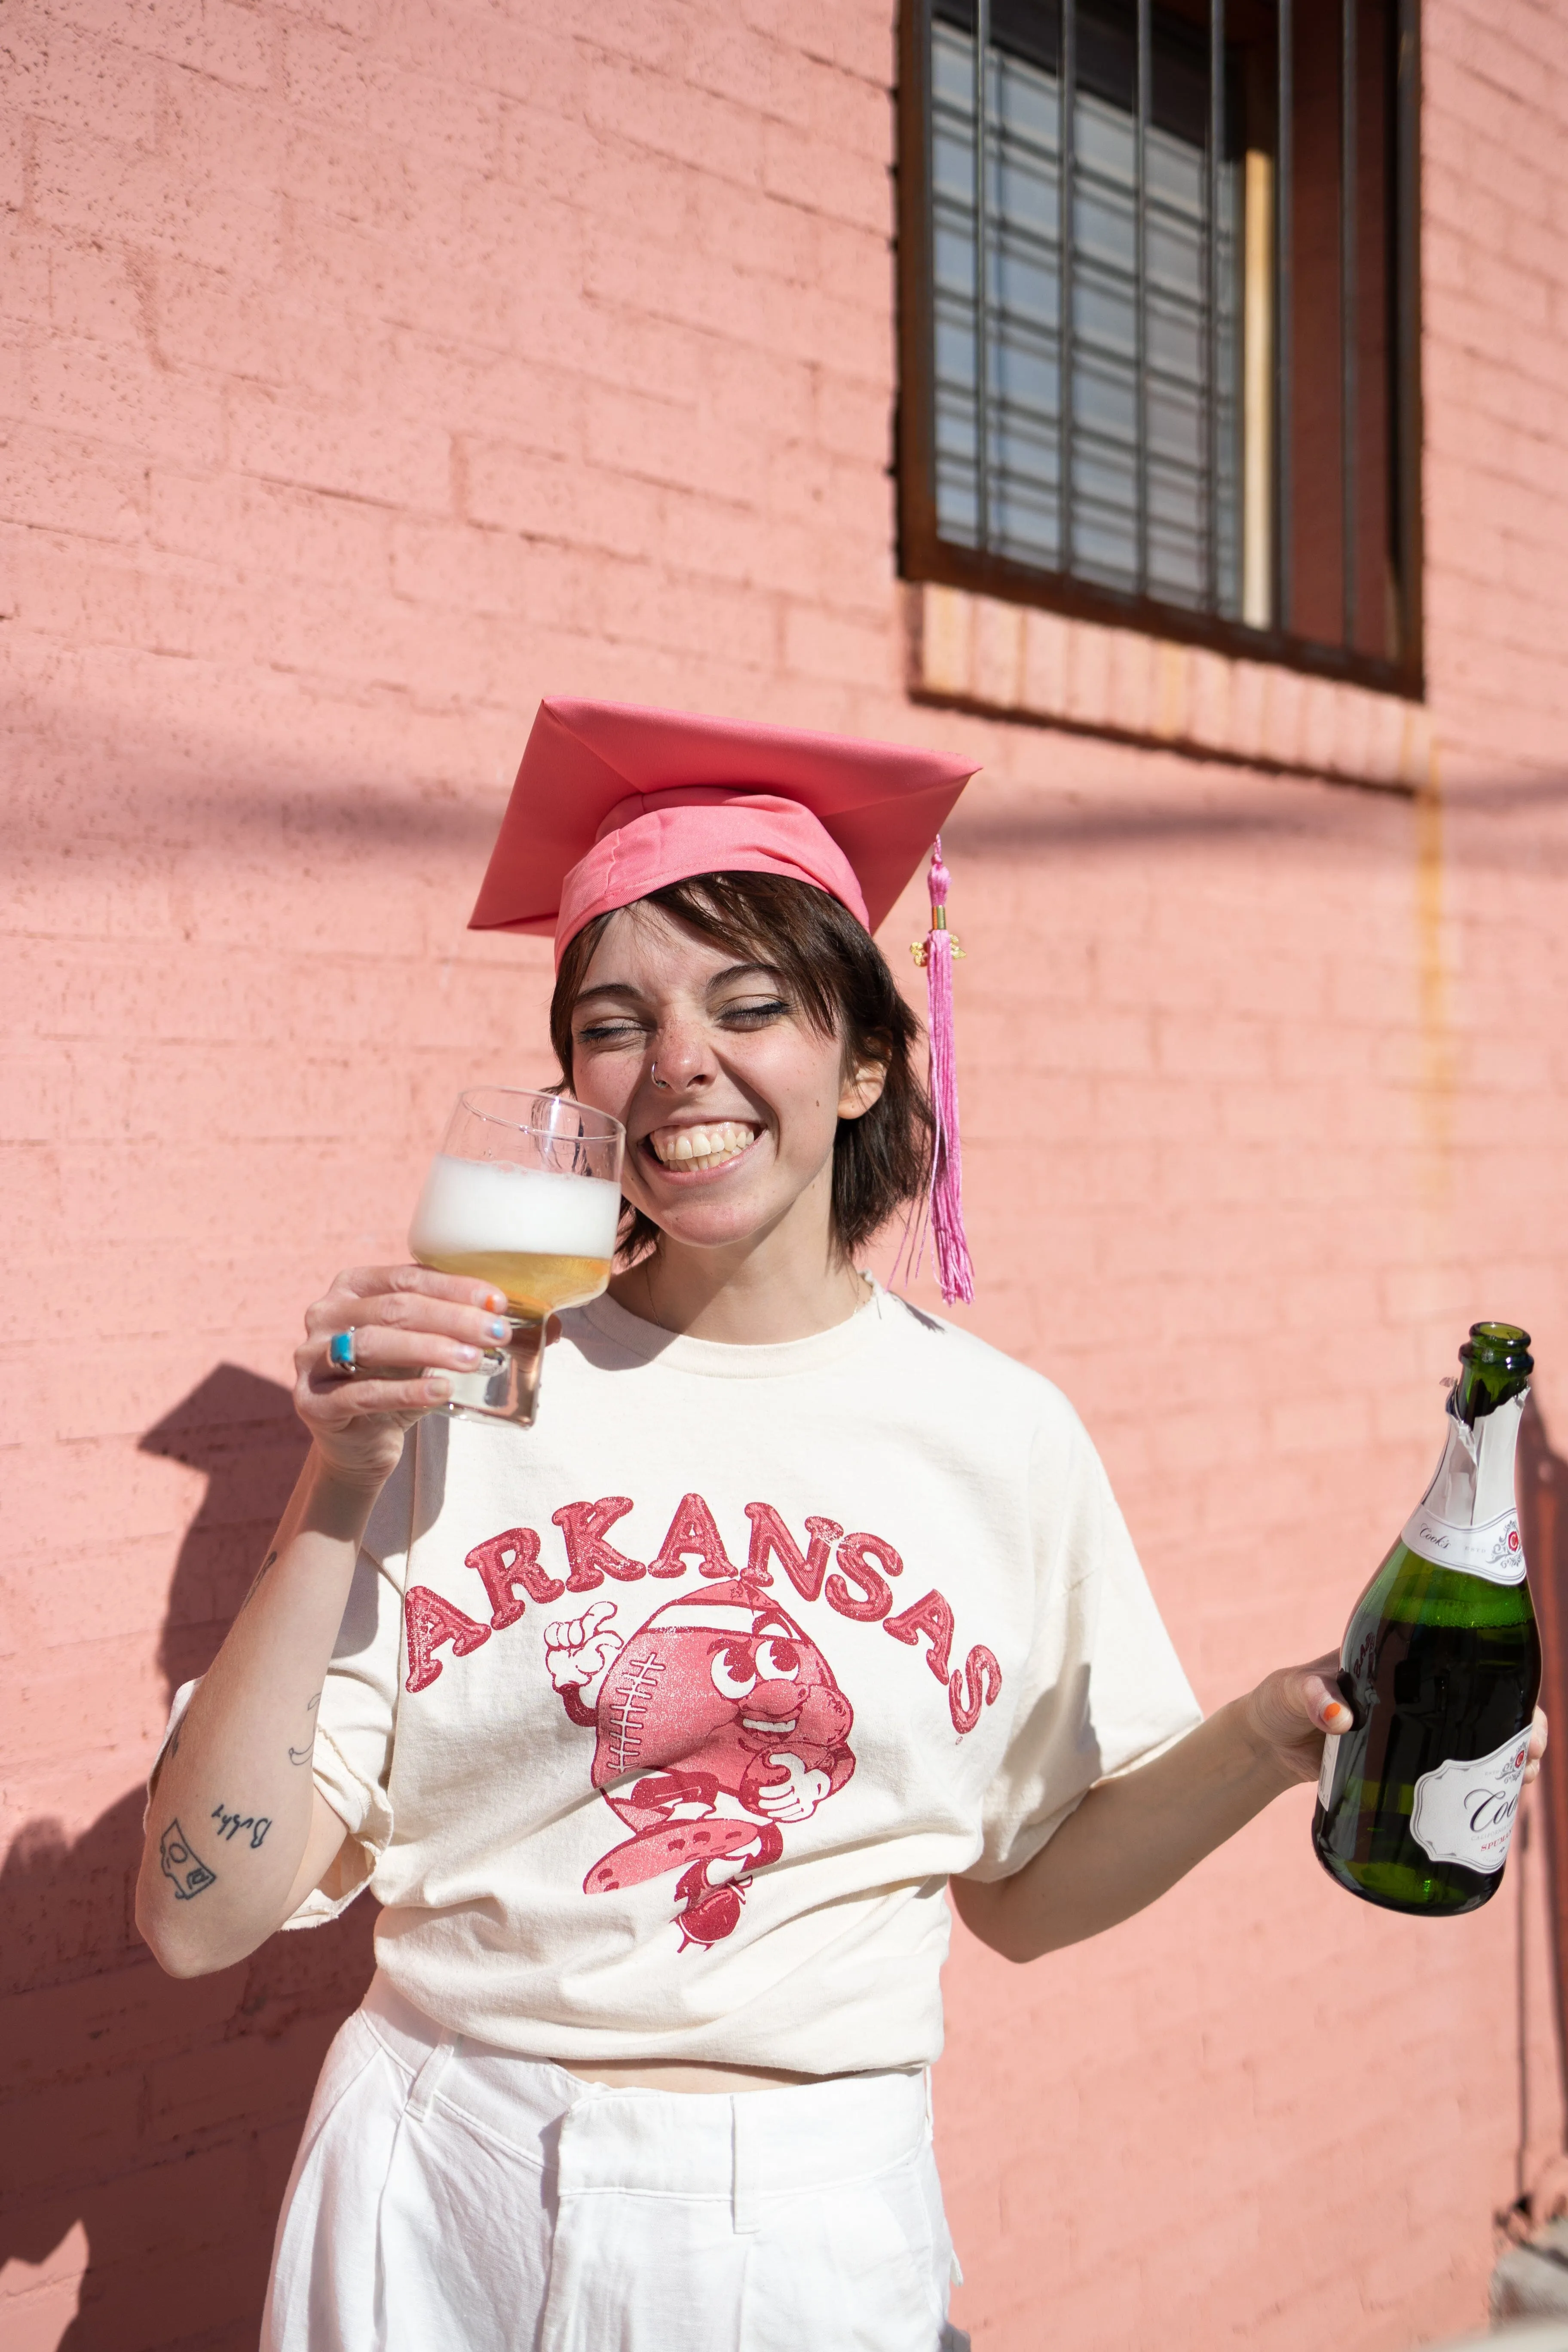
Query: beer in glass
point(524, 1193)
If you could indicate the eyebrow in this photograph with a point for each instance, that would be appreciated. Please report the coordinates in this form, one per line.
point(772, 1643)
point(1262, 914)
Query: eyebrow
point(720, 979)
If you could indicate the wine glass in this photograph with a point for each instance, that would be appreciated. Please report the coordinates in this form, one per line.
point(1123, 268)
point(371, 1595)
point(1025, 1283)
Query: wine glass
point(525, 1193)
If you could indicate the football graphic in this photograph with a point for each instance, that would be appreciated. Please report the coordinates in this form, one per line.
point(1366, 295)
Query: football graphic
point(718, 1722)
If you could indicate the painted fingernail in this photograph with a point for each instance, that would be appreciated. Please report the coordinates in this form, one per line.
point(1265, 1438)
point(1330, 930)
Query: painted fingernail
point(500, 1328)
point(496, 1298)
point(1336, 1715)
point(466, 1355)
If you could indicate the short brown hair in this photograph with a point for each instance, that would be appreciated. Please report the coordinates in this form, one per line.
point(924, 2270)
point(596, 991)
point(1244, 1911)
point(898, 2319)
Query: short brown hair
point(840, 979)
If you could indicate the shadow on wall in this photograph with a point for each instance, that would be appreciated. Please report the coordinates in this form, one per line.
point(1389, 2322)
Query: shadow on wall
point(156, 2121)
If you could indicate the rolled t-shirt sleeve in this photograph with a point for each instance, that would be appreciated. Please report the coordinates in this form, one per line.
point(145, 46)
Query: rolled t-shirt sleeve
point(1103, 1688)
point(357, 1712)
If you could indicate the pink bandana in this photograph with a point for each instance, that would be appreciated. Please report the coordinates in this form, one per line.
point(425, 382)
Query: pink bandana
point(650, 839)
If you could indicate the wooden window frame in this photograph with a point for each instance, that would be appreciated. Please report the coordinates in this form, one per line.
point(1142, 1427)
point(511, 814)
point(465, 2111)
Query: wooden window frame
point(924, 555)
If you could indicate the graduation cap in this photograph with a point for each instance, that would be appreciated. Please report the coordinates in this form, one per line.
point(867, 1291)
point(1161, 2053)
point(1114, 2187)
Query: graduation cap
point(613, 801)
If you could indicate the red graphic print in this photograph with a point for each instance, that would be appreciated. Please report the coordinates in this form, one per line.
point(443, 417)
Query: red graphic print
point(584, 1526)
point(931, 1616)
point(979, 1684)
point(692, 1536)
point(875, 1598)
point(430, 1621)
point(505, 1562)
point(769, 1534)
point(728, 1718)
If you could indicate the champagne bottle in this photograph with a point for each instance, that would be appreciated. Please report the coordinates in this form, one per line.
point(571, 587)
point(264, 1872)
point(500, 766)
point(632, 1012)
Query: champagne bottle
point(1440, 1668)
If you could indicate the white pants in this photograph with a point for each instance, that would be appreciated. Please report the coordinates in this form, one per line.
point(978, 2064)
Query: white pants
point(450, 2197)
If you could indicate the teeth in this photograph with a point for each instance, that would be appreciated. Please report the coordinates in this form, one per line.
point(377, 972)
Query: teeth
point(702, 1147)
point(768, 1722)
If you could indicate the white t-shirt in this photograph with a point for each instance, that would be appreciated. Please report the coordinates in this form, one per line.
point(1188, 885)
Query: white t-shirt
point(659, 1727)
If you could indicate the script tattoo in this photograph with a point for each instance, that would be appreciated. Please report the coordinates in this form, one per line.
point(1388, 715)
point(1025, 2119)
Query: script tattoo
point(230, 1825)
point(256, 1584)
point(303, 1755)
point(181, 1868)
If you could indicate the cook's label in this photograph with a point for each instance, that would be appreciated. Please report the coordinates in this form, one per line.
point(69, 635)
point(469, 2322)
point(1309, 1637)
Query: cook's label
point(1326, 1777)
point(1492, 1550)
point(1465, 1812)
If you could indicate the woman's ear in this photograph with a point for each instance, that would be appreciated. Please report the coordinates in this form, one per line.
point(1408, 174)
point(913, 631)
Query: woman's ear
point(866, 1075)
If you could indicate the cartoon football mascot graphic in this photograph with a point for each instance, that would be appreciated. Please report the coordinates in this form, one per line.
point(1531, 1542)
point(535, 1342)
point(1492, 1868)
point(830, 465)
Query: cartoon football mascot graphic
point(718, 1720)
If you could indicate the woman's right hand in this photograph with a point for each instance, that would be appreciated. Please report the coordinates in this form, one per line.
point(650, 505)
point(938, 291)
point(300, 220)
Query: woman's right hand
point(410, 1327)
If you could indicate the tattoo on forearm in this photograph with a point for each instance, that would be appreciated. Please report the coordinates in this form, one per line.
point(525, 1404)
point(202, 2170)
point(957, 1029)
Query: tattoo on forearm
point(230, 1825)
point(181, 1868)
point(303, 1755)
point(256, 1583)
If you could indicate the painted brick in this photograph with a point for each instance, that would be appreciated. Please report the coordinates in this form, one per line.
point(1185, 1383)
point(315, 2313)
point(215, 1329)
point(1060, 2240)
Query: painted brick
point(25, 260)
point(731, 58)
point(91, 184)
point(118, 396)
point(14, 145)
point(213, 37)
point(332, 77)
point(95, 84)
point(57, 483)
point(391, 366)
point(699, 291)
point(395, 463)
point(287, 531)
point(807, 169)
point(656, 111)
point(857, 40)
point(550, 497)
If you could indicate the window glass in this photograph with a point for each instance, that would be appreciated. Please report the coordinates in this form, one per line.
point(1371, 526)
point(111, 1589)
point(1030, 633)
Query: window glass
point(1144, 379)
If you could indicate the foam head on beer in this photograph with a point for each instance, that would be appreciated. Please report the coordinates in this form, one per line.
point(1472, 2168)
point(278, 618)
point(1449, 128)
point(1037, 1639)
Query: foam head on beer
point(545, 1239)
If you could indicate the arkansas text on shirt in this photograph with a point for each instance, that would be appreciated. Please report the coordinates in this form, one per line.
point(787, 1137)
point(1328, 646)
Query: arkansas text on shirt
point(659, 1727)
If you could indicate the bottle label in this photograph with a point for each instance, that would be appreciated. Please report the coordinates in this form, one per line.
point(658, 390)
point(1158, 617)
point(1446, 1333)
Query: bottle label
point(1493, 1549)
point(1465, 1812)
point(1326, 1777)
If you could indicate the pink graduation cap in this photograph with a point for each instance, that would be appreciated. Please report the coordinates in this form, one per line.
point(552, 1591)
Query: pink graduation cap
point(612, 802)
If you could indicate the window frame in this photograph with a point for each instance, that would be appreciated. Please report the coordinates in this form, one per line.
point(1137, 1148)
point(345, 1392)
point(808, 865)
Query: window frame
point(924, 556)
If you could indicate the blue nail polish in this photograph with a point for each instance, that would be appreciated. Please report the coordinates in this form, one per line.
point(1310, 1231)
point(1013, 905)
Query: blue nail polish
point(500, 1328)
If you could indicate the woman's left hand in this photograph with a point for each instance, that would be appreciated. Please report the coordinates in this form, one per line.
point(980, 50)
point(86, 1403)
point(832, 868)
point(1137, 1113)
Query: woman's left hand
point(1289, 1712)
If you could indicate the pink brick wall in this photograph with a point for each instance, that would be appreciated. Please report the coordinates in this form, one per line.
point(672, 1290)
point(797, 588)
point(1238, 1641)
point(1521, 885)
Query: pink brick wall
point(369, 369)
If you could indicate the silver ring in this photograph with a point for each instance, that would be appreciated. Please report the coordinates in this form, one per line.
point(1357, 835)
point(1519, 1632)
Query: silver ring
point(341, 1354)
point(658, 1080)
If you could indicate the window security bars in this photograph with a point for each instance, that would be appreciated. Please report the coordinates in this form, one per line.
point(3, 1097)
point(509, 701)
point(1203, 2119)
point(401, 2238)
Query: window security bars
point(1159, 318)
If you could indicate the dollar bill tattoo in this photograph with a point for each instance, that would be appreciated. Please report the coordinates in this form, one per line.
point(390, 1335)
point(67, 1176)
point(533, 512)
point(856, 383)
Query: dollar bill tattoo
point(185, 1871)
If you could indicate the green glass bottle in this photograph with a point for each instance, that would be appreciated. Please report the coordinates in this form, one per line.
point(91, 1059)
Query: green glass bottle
point(1440, 1667)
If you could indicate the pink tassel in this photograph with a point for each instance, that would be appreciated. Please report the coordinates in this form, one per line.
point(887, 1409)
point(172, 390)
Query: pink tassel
point(954, 1273)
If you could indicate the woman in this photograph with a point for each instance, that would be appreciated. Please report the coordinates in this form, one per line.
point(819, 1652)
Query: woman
point(659, 1729)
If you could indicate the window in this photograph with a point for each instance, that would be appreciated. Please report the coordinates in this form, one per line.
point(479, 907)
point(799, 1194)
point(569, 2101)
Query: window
point(1198, 217)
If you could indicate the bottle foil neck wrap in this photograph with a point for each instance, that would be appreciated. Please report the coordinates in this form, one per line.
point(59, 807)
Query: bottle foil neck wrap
point(1467, 1518)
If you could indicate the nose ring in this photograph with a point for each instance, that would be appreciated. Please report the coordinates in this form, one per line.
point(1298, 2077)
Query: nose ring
point(658, 1080)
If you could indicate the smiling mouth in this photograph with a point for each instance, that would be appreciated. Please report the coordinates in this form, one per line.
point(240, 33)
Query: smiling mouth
point(694, 1149)
point(769, 1722)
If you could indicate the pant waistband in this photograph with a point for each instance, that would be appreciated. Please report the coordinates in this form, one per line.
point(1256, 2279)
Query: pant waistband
point(745, 2146)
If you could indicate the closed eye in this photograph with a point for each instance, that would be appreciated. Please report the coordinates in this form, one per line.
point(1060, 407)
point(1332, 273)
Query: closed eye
point(600, 1032)
point(754, 1016)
